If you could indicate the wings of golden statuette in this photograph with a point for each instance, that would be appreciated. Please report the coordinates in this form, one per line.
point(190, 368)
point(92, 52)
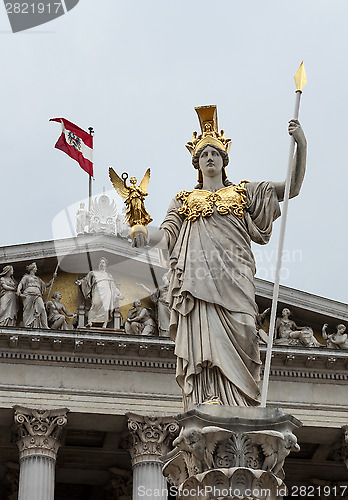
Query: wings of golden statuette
point(134, 195)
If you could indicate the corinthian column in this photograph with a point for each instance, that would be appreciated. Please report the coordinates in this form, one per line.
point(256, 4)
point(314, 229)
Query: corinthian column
point(38, 444)
point(149, 439)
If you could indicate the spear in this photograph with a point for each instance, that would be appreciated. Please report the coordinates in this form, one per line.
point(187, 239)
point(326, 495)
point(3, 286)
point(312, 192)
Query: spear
point(53, 278)
point(300, 81)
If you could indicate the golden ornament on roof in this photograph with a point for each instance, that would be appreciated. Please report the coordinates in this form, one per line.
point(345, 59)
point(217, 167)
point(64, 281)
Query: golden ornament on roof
point(134, 195)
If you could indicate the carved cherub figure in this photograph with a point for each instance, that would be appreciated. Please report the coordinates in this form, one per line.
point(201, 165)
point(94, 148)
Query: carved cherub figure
point(134, 195)
point(336, 340)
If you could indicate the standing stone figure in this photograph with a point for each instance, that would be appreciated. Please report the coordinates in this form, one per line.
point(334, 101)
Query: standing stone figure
point(8, 297)
point(57, 313)
point(100, 287)
point(82, 219)
point(31, 288)
point(122, 228)
point(208, 232)
point(139, 320)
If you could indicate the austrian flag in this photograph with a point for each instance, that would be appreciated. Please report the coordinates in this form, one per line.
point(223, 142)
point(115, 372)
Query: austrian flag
point(76, 143)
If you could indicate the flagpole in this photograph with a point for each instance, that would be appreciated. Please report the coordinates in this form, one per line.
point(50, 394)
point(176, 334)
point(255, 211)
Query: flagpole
point(91, 132)
point(300, 80)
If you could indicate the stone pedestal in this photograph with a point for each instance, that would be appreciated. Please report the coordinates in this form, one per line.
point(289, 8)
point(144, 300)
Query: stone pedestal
point(149, 439)
point(231, 453)
point(38, 444)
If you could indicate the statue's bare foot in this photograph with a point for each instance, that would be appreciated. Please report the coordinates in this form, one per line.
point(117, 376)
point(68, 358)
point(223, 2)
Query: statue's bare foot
point(105, 324)
point(89, 324)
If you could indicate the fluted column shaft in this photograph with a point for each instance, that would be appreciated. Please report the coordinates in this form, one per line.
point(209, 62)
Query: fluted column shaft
point(38, 444)
point(148, 481)
point(36, 478)
point(149, 439)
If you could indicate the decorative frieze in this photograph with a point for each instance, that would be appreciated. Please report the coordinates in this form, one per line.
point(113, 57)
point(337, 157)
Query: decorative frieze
point(39, 431)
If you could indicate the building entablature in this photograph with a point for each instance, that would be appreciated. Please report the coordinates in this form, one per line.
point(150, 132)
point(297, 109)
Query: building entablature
point(136, 351)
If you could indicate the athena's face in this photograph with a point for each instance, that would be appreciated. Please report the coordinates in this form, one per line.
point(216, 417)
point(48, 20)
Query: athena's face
point(286, 313)
point(210, 162)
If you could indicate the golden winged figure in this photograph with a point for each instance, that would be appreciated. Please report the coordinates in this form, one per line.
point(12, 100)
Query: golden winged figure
point(134, 197)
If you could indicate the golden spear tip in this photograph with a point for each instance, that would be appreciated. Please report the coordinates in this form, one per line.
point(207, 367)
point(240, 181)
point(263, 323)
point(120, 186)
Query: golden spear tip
point(300, 78)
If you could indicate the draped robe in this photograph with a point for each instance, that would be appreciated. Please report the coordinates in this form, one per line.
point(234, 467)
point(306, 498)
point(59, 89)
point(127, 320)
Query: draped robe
point(8, 302)
point(212, 299)
point(101, 288)
point(34, 312)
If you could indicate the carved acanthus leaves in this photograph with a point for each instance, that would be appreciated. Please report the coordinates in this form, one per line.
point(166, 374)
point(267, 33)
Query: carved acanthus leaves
point(238, 450)
point(39, 430)
point(198, 450)
point(150, 437)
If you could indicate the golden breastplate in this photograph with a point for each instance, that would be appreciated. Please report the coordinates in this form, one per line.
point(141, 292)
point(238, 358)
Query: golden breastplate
point(198, 202)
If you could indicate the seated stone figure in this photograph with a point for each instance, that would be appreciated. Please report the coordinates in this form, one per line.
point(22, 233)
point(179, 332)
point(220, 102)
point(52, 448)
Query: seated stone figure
point(336, 340)
point(288, 333)
point(159, 297)
point(139, 320)
point(57, 313)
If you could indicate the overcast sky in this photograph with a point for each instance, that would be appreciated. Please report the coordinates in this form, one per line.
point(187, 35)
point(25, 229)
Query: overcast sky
point(134, 70)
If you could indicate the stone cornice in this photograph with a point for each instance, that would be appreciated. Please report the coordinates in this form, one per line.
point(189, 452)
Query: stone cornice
point(74, 246)
point(155, 353)
point(303, 300)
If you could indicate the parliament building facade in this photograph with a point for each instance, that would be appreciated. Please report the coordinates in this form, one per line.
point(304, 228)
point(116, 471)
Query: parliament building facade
point(87, 412)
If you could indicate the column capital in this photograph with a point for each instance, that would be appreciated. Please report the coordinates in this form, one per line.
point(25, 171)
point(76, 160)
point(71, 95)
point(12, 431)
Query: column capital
point(39, 430)
point(150, 437)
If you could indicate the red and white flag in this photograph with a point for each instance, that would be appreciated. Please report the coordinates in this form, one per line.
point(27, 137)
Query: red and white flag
point(76, 143)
